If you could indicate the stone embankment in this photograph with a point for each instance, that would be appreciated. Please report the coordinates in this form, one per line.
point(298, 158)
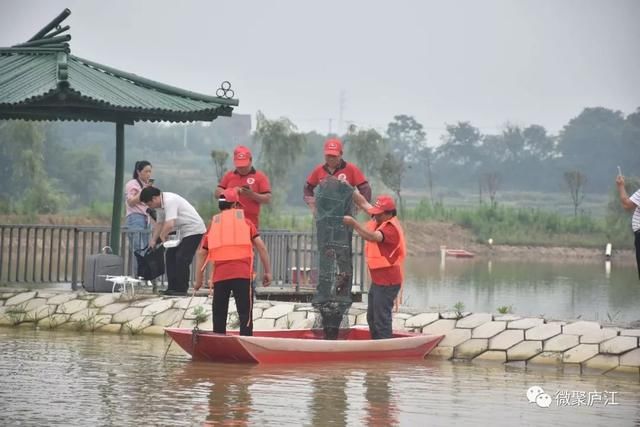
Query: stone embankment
point(573, 347)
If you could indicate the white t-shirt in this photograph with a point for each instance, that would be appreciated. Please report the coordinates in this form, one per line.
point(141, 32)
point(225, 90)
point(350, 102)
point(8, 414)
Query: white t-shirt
point(635, 220)
point(188, 222)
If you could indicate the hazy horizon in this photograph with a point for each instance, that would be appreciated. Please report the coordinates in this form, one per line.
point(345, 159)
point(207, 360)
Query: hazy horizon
point(489, 62)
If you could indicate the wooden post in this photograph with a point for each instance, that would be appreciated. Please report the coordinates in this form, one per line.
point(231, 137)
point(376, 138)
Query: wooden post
point(118, 188)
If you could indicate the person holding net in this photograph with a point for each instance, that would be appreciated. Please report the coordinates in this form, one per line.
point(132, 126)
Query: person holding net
point(330, 193)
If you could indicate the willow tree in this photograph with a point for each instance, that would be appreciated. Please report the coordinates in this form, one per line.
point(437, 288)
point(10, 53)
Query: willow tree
point(281, 145)
point(219, 158)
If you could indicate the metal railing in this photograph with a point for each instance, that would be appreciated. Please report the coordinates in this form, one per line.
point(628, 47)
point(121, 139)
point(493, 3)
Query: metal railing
point(57, 254)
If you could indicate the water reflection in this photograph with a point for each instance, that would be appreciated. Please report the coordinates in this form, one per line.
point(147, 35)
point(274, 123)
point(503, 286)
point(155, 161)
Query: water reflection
point(557, 290)
point(381, 408)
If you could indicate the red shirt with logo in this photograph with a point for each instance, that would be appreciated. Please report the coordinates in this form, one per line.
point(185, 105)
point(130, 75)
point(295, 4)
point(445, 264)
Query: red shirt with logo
point(257, 181)
point(346, 172)
point(390, 275)
point(236, 269)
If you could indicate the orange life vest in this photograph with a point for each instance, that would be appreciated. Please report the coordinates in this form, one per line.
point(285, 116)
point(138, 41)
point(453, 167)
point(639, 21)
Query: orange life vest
point(375, 259)
point(229, 237)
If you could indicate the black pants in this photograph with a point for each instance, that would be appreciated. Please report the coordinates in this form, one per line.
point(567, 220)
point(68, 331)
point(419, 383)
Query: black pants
point(241, 289)
point(637, 233)
point(379, 307)
point(178, 260)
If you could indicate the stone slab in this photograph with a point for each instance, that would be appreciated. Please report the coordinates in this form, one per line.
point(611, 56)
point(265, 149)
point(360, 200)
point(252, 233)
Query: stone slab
point(489, 329)
point(107, 299)
point(491, 356)
point(600, 364)
point(111, 328)
point(631, 358)
point(72, 306)
point(506, 317)
point(282, 323)
point(264, 324)
point(506, 339)
point(470, 348)
point(630, 332)
point(455, 337)
point(561, 343)
point(598, 336)
point(170, 317)
point(84, 315)
point(445, 352)
point(135, 326)
point(265, 304)
point(277, 311)
point(20, 298)
point(619, 345)
point(190, 314)
point(421, 320)
point(257, 313)
point(62, 298)
point(474, 320)
point(361, 319)
point(524, 350)
point(53, 321)
point(184, 302)
point(543, 332)
point(439, 327)
point(157, 307)
point(580, 353)
point(113, 308)
point(302, 324)
point(625, 372)
point(153, 330)
point(546, 358)
point(454, 315)
point(145, 302)
point(403, 316)
point(298, 315)
point(581, 327)
point(41, 312)
point(526, 323)
point(126, 315)
point(397, 324)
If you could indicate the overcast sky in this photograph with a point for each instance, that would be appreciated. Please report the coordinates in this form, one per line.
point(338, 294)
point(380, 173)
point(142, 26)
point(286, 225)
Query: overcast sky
point(487, 62)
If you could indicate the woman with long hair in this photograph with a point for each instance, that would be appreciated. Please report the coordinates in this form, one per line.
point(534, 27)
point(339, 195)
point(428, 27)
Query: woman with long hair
point(137, 218)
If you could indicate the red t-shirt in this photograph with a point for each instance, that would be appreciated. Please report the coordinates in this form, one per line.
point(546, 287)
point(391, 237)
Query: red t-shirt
point(257, 181)
point(346, 172)
point(236, 269)
point(390, 275)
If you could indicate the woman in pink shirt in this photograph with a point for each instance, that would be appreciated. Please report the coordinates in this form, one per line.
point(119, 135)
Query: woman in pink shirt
point(137, 218)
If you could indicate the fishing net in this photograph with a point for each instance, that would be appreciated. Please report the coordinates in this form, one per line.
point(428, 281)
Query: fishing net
point(334, 200)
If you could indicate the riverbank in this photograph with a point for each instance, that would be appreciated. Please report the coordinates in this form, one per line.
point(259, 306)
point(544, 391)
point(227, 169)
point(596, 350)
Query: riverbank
point(568, 346)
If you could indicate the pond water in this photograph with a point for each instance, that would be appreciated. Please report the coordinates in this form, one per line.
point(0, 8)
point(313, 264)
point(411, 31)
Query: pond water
point(589, 291)
point(69, 378)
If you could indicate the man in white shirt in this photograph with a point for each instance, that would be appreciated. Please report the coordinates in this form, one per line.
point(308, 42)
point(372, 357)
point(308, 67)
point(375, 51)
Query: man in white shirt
point(175, 215)
point(631, 203)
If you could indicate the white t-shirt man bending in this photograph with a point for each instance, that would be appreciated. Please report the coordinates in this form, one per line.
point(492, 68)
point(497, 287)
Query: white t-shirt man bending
point(175, 214)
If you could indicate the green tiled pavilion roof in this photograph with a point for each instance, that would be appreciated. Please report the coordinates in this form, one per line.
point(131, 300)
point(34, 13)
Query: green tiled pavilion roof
point(41, 80)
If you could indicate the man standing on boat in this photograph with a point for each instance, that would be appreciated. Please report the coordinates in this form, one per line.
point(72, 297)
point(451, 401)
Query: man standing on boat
point(229, 245)
point(335, 166)
point(385, 252)
point(253, 185)
point(631, 203)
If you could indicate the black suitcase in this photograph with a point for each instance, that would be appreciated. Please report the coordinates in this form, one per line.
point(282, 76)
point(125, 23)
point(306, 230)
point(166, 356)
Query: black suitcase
point(99, 265)
point(150, 262)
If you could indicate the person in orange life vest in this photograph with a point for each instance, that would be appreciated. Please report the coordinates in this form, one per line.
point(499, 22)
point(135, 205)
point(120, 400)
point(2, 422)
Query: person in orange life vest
point(335, 166)
point(385, 251)
point(229, 244)
point(253, 185)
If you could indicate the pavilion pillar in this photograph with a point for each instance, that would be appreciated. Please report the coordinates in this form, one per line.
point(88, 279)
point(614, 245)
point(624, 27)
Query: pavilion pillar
point(118, 189)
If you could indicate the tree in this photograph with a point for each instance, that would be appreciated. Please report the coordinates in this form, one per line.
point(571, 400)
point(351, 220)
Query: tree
point(219, 158)
point(491, 181)
point(461, 144)
point(366, 146)
point(425, 158)
point(392, 170)
point(281, 146)
point(575, 181)
point(630, 141)
point(406, 137)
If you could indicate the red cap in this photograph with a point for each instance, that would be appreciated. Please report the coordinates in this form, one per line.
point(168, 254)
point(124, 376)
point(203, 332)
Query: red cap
point(333, 147)
point(231, 195)
point(383, 204)
point(241, 156)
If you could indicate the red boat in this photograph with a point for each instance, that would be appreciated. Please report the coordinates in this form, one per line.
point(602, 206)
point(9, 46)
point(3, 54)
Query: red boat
point(459, 253)
point(301, 345)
